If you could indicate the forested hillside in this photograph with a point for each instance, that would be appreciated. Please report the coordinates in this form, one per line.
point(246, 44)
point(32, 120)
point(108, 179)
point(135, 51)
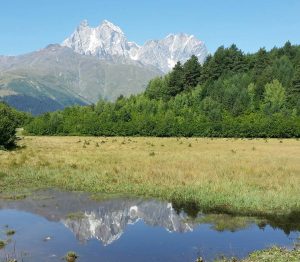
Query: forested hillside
point(231, 95)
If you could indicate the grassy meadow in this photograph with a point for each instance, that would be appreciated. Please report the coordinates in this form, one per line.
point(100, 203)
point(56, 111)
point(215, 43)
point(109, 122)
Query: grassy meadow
point(238, 176)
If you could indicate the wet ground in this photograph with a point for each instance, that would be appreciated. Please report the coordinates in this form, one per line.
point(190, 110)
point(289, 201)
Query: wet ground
point(49, 224)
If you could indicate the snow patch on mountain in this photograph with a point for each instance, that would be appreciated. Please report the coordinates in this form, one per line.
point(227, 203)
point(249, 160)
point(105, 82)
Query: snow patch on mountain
point(108, 42)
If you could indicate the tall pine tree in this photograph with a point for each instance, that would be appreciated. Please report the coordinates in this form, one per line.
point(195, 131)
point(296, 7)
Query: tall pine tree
point(176, 80)
point(192, 71)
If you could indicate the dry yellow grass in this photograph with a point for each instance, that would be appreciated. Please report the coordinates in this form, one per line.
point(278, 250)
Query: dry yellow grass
point(243, 176)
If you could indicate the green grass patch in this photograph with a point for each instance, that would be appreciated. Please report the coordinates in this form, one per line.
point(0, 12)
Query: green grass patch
point(2, 244)
point(274, 254)
point(10, 232)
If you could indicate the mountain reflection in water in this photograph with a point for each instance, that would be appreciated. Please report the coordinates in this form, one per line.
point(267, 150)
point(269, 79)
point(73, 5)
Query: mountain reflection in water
point(129, 230)
point(108, 222)
point(105, 220)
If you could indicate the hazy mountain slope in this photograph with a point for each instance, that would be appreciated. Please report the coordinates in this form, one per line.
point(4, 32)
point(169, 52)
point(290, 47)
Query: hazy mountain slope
point(57, 77)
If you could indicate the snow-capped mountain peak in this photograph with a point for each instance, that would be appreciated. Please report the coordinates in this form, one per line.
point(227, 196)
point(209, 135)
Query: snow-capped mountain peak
point(108, 42)
point(165, 53)
point(109, 25)
point(84, 23)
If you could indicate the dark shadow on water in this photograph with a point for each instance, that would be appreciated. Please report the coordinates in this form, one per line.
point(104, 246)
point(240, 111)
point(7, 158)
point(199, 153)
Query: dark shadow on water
point(286, 222)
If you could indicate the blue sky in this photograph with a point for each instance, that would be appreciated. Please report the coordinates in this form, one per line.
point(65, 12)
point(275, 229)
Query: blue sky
point(28, 25)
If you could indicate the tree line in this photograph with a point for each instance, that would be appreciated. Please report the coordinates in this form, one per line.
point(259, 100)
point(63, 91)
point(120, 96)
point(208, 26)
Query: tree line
point(232, 94)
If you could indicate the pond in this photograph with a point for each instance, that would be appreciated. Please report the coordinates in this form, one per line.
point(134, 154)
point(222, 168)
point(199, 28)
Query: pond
point(49, 224)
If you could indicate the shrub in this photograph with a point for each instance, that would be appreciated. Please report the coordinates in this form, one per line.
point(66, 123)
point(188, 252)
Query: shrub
point(8, 125)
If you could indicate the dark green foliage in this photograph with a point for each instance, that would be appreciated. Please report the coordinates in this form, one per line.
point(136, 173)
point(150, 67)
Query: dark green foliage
point(283, 70)
point(8, 125)
point(191, 73)
point(230, 95)
point(176, 81)
point(225, 61)
point(261, 61)
point(294, 91)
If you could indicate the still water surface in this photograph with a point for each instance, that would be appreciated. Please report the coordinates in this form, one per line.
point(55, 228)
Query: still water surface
point(52, 223)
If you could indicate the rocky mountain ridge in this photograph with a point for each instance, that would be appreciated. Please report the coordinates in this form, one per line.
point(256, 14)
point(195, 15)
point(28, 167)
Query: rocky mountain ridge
point(107, 41)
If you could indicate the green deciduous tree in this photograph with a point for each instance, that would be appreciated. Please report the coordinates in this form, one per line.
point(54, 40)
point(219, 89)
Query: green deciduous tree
point(8, 125)
point(157, 88)
point(274, 97)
